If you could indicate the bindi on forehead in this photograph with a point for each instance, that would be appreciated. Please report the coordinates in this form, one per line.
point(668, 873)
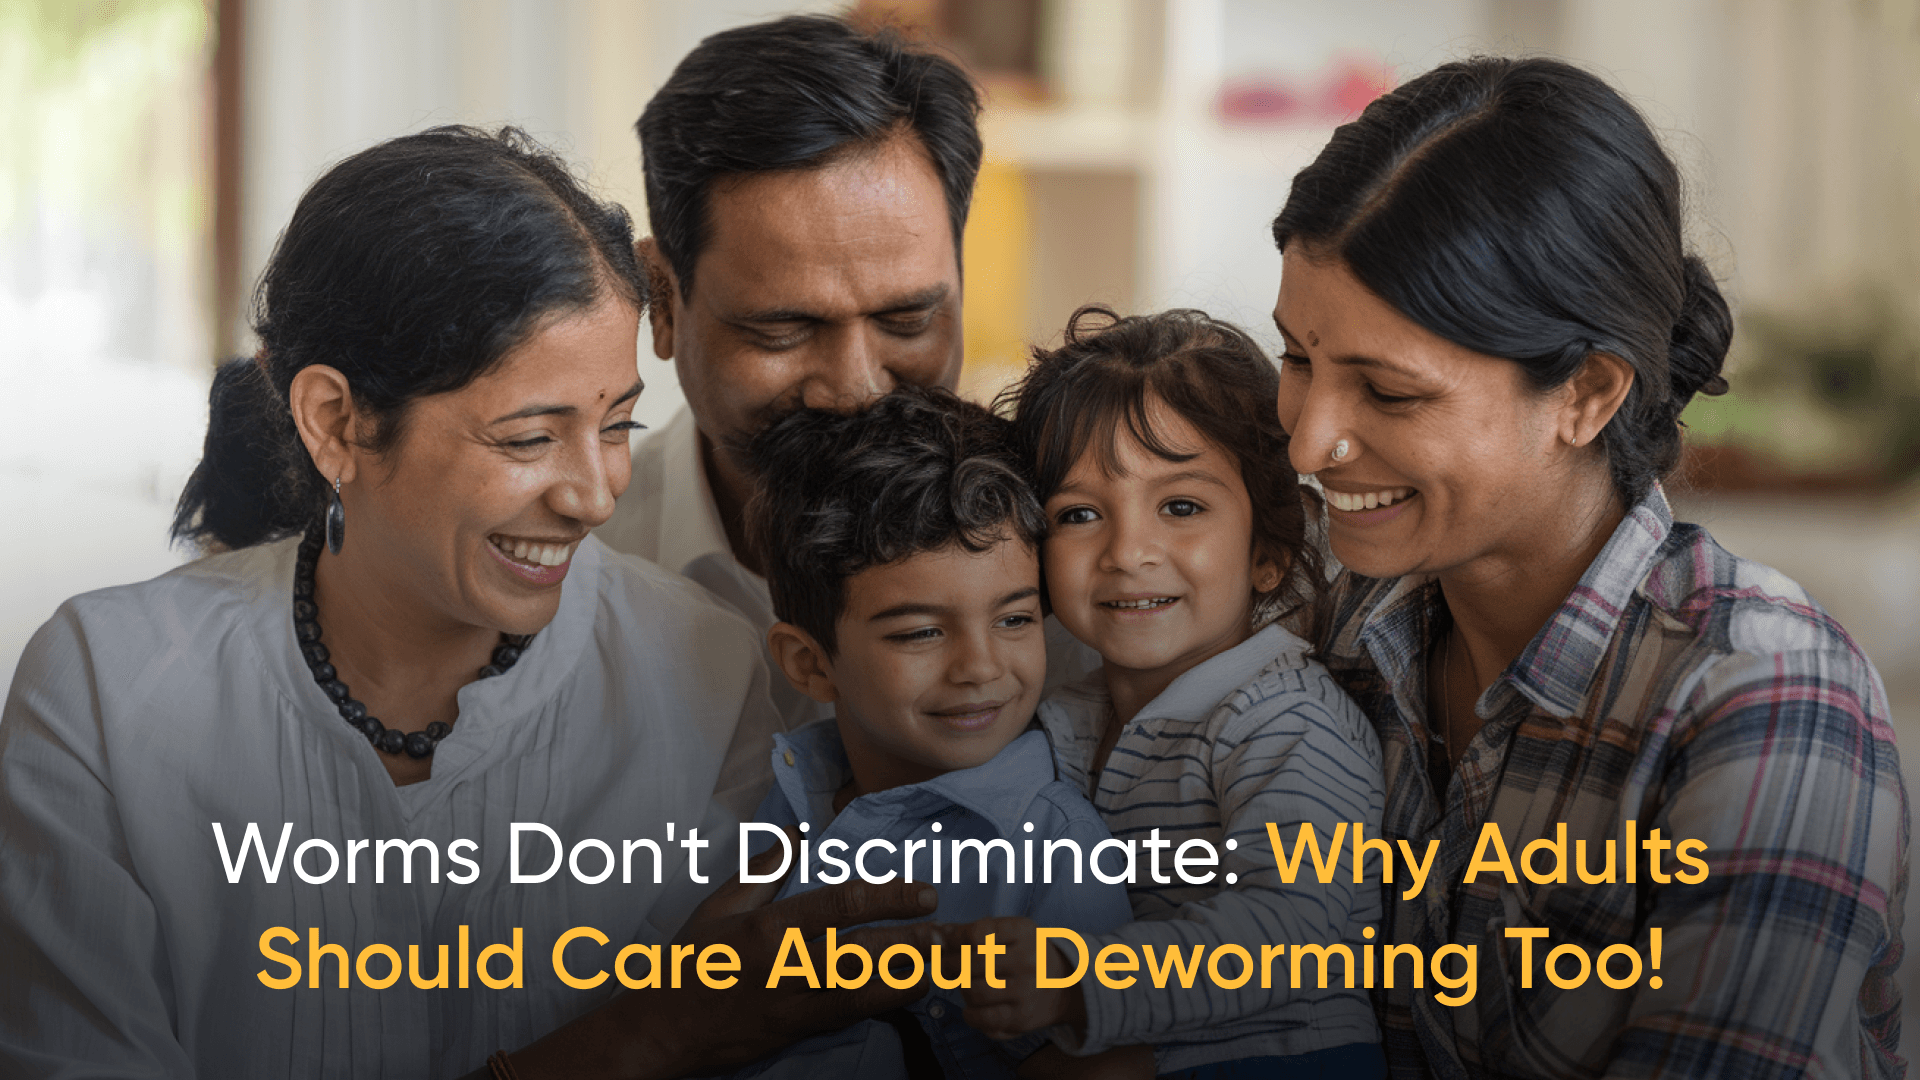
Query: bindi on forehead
point(1313, 339)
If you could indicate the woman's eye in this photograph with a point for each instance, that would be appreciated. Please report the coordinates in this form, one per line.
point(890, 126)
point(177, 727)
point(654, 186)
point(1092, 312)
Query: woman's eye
point(623, 427)
point(1182, 507)
point(528, 443)
point(1298, 361)
point(1077, 515)
point(1387, 399)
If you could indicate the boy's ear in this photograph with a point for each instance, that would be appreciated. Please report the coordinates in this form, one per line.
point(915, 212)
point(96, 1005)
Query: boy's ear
point(805, 664)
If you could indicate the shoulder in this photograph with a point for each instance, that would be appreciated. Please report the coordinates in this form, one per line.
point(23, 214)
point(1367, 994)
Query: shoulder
point(166, 647)
point(1294, 695)
point(636, 593)
point(1060, 809)
point(1750, 632)
point(202, 602)
point(1736, 605)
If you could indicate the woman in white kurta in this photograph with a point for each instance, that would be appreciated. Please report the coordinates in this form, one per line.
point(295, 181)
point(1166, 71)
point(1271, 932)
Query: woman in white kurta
point(142, 715)
point(441, 407)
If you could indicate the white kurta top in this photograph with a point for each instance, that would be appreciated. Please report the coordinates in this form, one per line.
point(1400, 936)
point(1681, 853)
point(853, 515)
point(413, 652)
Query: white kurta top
point(141, 715)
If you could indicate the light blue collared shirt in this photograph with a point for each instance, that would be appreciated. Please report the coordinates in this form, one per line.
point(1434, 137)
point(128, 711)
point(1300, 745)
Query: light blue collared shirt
point(998, 800)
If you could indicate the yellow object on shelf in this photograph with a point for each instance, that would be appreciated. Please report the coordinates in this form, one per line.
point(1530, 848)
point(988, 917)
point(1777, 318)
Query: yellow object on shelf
point(997, 252)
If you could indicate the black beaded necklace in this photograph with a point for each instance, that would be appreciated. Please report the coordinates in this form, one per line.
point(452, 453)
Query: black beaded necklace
point(306, 630)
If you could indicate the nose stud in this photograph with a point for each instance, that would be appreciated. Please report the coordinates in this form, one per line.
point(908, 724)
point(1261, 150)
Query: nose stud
point(1340, 450)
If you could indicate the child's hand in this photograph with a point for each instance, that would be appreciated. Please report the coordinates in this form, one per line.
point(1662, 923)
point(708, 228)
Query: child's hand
point(1120, 1063)
point(1018, 1006)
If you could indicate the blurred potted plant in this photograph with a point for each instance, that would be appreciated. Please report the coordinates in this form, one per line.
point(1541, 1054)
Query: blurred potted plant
point(1824, 398)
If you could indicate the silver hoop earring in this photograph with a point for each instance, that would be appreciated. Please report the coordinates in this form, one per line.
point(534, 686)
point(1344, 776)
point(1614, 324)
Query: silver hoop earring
point(1340, 450)
point(336, 520)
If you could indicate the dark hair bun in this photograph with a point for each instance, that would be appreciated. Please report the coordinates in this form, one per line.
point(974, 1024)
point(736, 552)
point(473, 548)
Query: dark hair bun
point(1522, 208)
point(1701, 337)
point(412, 268)
point(250, 434)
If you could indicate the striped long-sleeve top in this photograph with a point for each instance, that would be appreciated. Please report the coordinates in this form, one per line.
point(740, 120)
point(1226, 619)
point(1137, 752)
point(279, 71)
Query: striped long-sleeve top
point(1258, 734)
point(1689, 692)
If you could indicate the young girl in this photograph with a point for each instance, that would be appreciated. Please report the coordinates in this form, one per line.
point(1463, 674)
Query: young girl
point(1177, 546)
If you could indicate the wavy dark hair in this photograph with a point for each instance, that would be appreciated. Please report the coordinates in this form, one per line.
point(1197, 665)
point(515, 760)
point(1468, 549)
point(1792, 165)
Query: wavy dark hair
point(413, 267)
point(919, 470)
point(1077, 399)
point(797, 93)
point(1523, 209)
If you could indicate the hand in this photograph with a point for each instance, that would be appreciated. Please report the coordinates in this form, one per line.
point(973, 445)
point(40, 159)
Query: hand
point(647, 1034)
point(1019, 1006)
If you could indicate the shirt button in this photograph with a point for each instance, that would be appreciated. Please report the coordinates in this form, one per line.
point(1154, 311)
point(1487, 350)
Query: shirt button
point(937, 1010)
point(788, 756)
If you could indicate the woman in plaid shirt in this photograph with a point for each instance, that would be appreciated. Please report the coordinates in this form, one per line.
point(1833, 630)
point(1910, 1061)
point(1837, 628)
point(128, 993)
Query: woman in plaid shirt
point(1492, 325)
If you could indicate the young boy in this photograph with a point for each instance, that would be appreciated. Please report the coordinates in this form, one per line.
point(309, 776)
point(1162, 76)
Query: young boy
point(901, 548)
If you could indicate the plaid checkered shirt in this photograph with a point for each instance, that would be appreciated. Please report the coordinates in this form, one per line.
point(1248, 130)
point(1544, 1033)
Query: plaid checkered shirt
point(1686, 690)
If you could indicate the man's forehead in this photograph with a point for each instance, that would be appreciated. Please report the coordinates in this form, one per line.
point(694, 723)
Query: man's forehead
point(862, 228)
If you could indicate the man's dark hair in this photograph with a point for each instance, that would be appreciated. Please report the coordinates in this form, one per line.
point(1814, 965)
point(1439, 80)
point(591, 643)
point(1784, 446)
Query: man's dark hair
point(918, 470)
point(796, 93)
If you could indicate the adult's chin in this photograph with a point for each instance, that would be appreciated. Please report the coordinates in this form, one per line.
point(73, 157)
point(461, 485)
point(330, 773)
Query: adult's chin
point(1374, 560)
point(519, 616)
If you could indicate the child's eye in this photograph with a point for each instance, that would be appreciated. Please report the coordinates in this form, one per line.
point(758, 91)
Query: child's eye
point(925, 633)
point(1077, 515)
point(1014, 622)
point(1182, 507)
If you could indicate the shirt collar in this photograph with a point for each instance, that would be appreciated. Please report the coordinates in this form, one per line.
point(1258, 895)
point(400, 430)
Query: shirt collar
point(1198, 691)
point(1558, 666)
point(810, 765)
point(690, 528)
point(1560, 663)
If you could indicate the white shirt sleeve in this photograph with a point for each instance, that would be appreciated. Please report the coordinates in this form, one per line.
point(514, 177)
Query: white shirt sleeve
point(87, 971)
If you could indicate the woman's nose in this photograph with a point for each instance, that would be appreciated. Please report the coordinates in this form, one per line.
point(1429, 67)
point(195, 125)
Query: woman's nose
point(1317, 435)
point(585, 490)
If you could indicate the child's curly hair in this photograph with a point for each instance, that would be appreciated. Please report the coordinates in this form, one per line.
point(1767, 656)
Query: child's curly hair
point(1075, 399)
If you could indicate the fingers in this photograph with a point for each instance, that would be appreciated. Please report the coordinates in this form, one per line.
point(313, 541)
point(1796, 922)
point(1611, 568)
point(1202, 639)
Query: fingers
point(851, 904)
point(735, 897)
point(837, 1008)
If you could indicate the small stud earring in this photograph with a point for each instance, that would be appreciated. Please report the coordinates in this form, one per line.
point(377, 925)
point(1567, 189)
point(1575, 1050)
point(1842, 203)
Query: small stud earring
point(336, 520)
point(1340, 450)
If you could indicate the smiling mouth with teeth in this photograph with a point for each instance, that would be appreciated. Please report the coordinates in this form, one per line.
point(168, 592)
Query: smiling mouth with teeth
point(1139, 605)
point(533, 553)
point(1366, 500)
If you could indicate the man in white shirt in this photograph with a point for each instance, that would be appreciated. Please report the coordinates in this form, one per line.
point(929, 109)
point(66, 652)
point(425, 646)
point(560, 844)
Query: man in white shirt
point(807, 187)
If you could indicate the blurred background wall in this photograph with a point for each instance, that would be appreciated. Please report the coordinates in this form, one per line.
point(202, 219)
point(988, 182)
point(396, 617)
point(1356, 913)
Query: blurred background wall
point(151, 151)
